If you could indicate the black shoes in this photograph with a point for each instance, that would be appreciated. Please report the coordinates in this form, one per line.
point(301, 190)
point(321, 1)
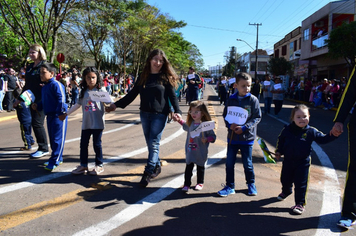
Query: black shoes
point(146, 178)
point(156, 172)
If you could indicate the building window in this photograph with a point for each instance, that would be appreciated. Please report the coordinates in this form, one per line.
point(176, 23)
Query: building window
point(284, 50)
point(276, 53)
point(306, 34)
point(295, 45)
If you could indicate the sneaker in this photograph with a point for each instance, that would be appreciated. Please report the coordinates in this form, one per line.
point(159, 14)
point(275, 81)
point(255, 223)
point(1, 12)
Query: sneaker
point(185, 189)
point(38, 154)
point(346, 223)
point(199, 187)
point(156, 171)
point(226, 191)
point(97, 170)
point(282, 196)
point(298, 209)
point(50, 168)
point(79, 170)
point(252, 191)
point(46, 163)
point(25, 149)
point(146, 178)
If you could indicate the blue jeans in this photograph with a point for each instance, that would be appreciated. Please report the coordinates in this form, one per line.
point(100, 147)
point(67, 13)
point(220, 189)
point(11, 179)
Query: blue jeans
point(153, 125)
point(246, 156)
point(75, 93)
point(84, 143)
point(268, 103)
point(2, 95)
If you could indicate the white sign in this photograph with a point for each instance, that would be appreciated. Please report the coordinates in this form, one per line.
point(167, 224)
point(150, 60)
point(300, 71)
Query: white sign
point(204, 126)
point(236, 115)
point(191, 76)
point(223, 81)
point(277, 86)
point(100, 96)
point(267, 83)
point(232, 80)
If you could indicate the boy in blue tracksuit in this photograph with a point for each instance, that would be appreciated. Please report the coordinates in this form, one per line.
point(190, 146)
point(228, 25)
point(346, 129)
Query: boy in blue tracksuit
point(53, 103)
point(242, 114)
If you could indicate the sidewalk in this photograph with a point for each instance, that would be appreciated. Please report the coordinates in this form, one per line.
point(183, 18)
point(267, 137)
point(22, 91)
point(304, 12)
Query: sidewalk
point(4, 116)
point(308, 104)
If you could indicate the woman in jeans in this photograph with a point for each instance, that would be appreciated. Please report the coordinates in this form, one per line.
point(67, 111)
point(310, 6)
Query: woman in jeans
point(156, 87)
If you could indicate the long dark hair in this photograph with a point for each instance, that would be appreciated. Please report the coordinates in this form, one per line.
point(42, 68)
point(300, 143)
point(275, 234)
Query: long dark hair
point(84, 85)
point(168, 74)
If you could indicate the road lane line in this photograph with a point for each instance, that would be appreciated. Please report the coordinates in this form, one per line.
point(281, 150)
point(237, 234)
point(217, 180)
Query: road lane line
point(134, 210)
point(40, 209)
point(55, 175)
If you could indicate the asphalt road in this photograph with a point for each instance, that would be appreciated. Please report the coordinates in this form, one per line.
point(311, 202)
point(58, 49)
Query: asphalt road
point(35, 202)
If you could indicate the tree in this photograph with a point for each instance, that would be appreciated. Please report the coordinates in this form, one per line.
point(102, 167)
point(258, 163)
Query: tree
point(279, 66)
point(36, 21)
point(342, 43)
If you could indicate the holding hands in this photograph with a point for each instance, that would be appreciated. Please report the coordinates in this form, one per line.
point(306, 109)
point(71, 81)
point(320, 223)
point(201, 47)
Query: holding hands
point(337, 129)
point(110, 108)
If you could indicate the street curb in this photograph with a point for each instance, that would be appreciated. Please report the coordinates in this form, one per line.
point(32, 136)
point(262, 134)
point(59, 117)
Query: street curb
point(7, 118)
point(307, 103)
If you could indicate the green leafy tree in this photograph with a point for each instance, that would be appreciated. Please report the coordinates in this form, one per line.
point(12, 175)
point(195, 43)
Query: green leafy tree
point(279, 66)
point(342, 43)
point(36, 21)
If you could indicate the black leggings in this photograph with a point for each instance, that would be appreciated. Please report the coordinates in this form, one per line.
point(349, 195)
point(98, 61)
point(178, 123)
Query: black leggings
point(189, 172)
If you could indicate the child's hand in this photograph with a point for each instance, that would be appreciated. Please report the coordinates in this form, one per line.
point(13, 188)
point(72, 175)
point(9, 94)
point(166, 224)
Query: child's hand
point(62, 117)
point(34, 106)
point(238, 130)
point(177, 117)
point(233, 127)
point(337, 129)
point(204, 140)
point(278, 156)
point(110, 108)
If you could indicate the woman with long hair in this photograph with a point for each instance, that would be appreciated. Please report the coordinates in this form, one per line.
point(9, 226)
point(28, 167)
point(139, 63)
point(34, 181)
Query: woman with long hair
point(155, 86)
point(34, 83)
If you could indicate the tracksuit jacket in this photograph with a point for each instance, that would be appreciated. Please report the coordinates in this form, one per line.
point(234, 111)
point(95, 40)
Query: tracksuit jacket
point(252, 105)
point(348, 101)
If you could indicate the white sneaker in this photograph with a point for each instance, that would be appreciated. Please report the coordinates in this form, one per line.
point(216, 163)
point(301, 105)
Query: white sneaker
point(97, 170)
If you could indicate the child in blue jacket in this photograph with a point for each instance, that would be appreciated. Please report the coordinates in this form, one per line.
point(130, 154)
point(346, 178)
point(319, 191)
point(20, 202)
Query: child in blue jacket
point(53, 103)
point(294, 142)
point(242, 114)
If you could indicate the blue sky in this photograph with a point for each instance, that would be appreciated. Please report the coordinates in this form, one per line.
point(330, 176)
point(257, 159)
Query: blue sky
point(213, 26)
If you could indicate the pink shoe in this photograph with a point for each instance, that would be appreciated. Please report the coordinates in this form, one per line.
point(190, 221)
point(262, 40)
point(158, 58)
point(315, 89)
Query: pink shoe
point(199, 187)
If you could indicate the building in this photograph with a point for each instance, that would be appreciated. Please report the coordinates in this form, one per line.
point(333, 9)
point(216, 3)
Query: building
point(315, 30)
point(246, 63)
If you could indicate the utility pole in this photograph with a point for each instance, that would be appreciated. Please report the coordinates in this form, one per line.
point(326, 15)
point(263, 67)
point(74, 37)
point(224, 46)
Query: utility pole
point(256, 24)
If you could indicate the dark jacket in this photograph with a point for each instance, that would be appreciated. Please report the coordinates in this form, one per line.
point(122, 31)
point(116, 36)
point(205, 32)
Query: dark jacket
point(295, 142)
point(252, 105)
point(33, 81)
point(53, 98)
point(348, 100)
point(155, 96)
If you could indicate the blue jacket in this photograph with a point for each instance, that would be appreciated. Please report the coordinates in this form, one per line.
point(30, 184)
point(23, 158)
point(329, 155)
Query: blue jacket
point(252, 105)
point(295, 142)
point(53, 98)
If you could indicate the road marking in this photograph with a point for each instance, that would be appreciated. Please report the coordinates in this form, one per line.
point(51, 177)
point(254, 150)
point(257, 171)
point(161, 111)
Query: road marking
point(62, 173)
point(141, 206)
point(35, 211)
